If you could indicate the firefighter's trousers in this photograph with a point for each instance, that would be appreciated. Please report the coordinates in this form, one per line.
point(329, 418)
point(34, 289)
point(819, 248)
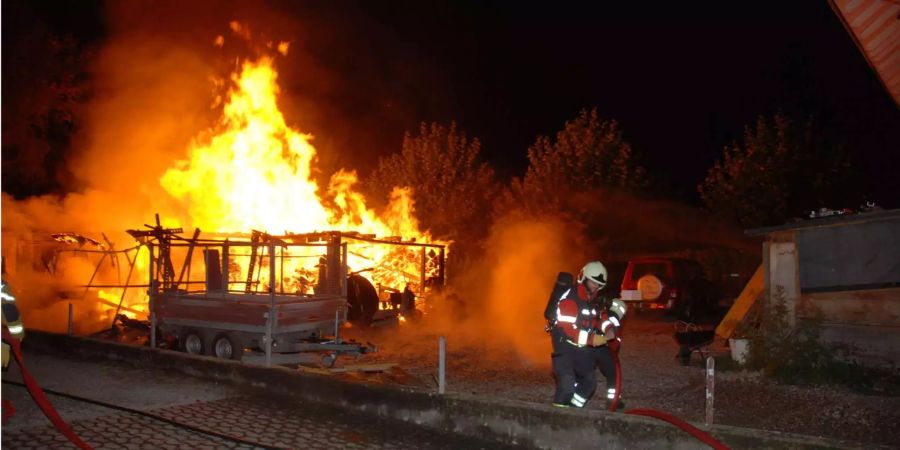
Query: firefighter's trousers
point(575, 371)
point(602, 358)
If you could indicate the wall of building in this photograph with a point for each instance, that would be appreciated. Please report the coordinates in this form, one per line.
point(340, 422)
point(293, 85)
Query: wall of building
point(846, 275)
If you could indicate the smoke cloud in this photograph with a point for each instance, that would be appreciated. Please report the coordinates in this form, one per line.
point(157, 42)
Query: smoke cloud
point(494, 306)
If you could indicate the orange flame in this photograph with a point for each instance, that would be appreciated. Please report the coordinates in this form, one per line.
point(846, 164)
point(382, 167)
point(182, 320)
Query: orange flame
point(256, 174)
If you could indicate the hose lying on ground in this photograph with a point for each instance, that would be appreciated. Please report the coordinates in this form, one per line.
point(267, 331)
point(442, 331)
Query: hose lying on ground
point(154, 416)
point(38, 394)
point(701, 435)
point(40, 398)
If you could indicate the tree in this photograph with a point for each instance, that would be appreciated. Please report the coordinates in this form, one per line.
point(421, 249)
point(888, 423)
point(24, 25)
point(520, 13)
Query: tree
point(779, 171)
point(452, 188)
point(589, 154)
point(45, 84)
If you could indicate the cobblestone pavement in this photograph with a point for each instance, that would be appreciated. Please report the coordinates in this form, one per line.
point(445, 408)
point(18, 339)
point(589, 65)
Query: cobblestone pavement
point(245, 414)
point(269, 422)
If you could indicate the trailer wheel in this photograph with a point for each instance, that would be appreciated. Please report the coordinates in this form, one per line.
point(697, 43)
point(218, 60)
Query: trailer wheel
point(363, 300)
point(192, 341)
point(228, 346)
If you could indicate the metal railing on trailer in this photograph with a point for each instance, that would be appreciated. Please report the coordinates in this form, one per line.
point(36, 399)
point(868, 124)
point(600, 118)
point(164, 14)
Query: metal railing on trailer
point(220, 320)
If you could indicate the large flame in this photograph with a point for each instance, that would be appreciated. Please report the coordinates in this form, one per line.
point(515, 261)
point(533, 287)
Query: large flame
point(255, 173)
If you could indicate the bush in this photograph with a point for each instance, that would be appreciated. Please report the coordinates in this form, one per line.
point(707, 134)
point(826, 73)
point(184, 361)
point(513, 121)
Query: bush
point(796, 355)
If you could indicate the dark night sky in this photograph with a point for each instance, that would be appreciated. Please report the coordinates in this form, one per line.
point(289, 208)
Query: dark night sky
point(682, 78)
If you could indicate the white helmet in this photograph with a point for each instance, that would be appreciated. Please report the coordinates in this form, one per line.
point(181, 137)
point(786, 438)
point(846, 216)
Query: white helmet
point(594, 271)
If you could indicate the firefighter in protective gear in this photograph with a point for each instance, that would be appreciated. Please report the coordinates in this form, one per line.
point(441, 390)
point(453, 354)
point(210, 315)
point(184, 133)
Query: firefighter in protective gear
point(608, 326)
point(11, 319)
point(573, 335)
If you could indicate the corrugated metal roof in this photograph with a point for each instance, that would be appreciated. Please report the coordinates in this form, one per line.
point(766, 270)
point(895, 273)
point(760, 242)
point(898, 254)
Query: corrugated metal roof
point(875, 27)
point(841, 220)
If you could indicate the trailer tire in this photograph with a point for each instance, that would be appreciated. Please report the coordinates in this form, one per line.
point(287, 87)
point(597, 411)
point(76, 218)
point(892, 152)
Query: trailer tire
point(193, 342)
point(227, 346)
point(363, 300)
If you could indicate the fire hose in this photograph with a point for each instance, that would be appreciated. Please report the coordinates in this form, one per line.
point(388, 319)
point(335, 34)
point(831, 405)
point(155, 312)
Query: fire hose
point(40, 398)
point(701, 435)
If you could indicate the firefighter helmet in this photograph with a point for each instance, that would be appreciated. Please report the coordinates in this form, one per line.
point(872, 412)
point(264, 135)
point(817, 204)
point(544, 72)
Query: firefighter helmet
point(594, 271)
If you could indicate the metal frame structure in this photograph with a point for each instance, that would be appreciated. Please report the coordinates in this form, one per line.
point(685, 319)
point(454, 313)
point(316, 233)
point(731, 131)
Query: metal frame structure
point(248, 312)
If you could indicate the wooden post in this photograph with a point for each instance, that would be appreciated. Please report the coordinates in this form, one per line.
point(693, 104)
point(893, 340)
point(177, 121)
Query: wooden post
point(225, 264)
point(270, 319)
point(422, 272)
point(710, 388)
point(70, 318)
point(344, 270)
point(337, 316)
point(151, 295)
point(784, 278)
point(441, 272)
point(442, 357)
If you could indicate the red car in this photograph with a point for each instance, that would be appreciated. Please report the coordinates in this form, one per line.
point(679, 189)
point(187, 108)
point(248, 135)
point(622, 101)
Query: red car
point(676, 285)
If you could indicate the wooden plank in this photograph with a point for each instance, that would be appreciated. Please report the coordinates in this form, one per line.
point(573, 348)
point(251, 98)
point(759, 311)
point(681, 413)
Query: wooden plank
point(869, 307)
point(364, 368)
point(742, 305)
point(123, 307)
point(316, 370)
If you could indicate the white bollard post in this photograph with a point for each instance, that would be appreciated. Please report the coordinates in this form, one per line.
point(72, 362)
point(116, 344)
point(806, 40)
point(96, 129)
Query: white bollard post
point(710, 388)
point(70, 319)
point(442, 357)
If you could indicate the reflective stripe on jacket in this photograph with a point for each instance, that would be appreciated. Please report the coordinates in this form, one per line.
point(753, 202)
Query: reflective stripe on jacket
point(575, 317)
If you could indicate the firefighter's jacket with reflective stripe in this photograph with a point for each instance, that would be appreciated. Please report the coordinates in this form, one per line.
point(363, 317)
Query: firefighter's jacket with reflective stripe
point(11, 319)
point(575, 316)
point(608, 319)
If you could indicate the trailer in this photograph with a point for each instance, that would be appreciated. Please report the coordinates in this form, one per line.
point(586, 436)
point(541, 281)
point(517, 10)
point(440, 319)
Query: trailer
point(240, 301)
point(271, 298)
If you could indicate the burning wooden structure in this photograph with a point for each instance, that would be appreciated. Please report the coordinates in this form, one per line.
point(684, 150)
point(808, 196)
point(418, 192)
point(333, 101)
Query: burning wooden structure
point(280, 294)
point(251, 153)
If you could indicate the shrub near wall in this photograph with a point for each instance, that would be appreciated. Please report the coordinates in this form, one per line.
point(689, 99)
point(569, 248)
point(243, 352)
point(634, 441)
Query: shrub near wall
point(796, 355)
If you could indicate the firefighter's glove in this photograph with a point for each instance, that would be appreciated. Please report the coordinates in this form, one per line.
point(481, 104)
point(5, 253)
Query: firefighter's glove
point(610, 333)
point(598, 340)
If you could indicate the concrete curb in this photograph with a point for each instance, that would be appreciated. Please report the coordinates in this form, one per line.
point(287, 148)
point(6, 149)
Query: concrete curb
point(514, 422)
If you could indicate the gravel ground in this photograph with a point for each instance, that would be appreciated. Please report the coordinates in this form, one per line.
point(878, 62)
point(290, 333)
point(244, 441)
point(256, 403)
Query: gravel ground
point(652, 378)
